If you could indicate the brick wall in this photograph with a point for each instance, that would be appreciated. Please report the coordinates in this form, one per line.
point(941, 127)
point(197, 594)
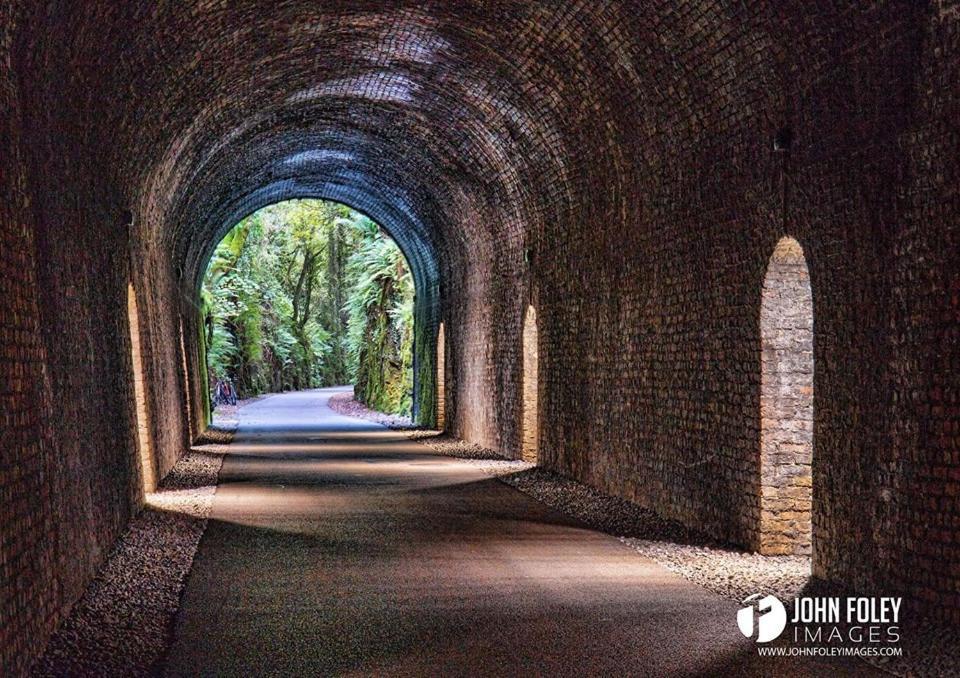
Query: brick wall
point(611, 162)
point(651, 273)
point(29, 599)
point(69, 467)
point(441, 421)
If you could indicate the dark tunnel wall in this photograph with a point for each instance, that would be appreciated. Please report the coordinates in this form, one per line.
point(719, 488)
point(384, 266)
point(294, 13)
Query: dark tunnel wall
point(611, 163)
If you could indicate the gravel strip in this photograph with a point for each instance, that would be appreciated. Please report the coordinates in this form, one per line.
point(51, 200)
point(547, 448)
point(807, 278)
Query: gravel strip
point(123, 623)
point(930, 648)
point(727, 572)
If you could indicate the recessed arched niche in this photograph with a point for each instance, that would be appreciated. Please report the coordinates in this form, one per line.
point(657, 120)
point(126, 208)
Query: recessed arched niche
point(786, 404)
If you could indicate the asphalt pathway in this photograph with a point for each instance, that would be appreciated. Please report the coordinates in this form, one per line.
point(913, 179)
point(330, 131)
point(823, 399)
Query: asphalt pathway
point(339, 547)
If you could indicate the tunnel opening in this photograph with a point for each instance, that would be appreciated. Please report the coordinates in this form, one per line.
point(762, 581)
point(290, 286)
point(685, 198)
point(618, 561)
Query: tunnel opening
point(531, 404)
point(786, 404)
point(308, 293)
point(202, 233)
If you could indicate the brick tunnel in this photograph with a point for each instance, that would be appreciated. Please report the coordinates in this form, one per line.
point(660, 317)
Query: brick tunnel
point(625, 191)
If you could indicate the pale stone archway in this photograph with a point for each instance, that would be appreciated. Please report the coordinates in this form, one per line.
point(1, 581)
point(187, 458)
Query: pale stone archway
point(531, 414)
point(786, 403)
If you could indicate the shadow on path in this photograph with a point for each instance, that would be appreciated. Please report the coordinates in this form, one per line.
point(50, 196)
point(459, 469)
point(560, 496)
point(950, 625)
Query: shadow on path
point(337, 546)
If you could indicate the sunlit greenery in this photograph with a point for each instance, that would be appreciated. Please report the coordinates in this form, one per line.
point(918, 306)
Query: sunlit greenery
point(309, 293)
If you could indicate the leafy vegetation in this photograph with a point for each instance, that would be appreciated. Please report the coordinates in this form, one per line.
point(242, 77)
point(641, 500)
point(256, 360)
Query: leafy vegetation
point(309, 293)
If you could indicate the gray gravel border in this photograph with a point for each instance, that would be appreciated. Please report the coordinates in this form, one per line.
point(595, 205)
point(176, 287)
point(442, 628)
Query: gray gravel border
point(123, 623)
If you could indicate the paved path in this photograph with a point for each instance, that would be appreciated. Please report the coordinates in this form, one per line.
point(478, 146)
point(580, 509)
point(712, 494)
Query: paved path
point(337, 546)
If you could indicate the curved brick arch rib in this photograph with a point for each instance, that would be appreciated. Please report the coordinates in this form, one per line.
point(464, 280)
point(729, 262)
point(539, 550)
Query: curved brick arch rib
point(405, 228)
point(786, 403)
point(401, 226)
point(471, 148)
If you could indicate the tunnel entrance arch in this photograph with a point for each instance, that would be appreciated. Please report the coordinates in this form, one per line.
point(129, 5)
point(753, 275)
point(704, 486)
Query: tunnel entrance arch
point(786, 404)
point(403, 228)
point(531, 401)
point(308, 294)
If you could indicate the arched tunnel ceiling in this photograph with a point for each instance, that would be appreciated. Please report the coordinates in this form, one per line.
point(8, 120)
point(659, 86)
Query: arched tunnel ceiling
point(355, 169)
point(458, 124)
point(403, 113)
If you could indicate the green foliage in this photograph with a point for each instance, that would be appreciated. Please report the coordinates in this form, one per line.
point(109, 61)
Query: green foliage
point(380, 309)
point(309, 293)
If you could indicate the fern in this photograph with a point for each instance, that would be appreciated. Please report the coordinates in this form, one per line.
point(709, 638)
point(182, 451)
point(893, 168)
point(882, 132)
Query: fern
point(310, 293)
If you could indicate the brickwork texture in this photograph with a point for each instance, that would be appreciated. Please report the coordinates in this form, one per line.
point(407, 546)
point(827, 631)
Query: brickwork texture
point(786, 404)
point(630, 167)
